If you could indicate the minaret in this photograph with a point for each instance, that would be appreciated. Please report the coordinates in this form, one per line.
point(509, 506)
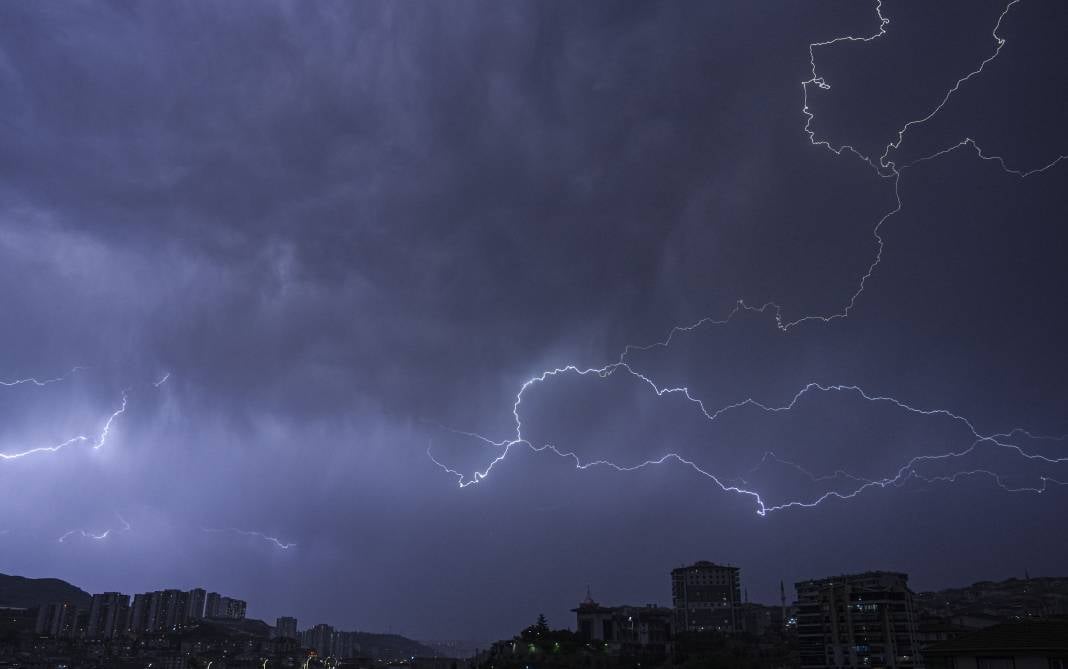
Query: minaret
point(782, 598)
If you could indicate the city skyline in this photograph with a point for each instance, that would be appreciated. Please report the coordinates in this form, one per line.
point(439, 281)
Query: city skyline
point(863, 619)
point(675, 579)
point(368, 311)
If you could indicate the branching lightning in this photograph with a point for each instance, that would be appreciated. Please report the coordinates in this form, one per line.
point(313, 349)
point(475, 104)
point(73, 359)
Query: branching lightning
point(97, 442)
point(250, 533)
point(85, 534)
point(885, 168)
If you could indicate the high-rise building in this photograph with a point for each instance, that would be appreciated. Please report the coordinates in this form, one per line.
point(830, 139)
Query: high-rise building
point(176, 607)
point(286, 628)
point(321, 638)
point(218, 606)
point(857, 620)
point(159, 612)
point(211, 605)
point(137, 623)
point(346, 645)
point(58, 620)
point(195, 604)
point(233, 608)
point(108, 615)
point(706, 597)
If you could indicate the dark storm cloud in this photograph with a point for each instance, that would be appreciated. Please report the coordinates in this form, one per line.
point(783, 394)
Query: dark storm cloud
point(336, 224)
point(407, 171)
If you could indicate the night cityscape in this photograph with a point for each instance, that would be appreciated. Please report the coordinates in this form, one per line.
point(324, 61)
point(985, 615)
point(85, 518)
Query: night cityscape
point(866, 619)
point(533, 334)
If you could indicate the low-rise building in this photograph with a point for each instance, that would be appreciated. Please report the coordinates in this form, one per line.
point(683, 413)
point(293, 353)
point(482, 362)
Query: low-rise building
point(626, 630)
point(1031, 644)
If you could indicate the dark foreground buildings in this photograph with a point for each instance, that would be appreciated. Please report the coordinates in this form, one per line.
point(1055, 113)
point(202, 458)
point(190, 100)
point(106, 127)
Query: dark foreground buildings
point(857, 620)
point(869, 620)
point(626, 630)
point(706, 597)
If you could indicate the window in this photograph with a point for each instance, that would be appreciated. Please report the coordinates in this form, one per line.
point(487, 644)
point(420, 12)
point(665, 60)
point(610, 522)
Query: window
point(995, 663)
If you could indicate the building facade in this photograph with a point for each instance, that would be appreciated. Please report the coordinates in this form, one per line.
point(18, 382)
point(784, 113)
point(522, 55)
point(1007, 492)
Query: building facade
point(217, 606)
point(1029, 644)
point(857, 620)
point(321, 638)
point(706, 597)
point(58, 620)
point(195, 601)
point(286, 628)
point(626, 630)
point(211, 605)
point(138, 620)
point(108, 614)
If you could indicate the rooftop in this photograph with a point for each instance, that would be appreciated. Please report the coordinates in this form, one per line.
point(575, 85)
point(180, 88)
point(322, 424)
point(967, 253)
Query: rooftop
point(703, 564)
point(1050, 635)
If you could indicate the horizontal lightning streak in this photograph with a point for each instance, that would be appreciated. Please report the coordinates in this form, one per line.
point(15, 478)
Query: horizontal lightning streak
point(251, 533)
point(884, 168)
point(97, 443)
point(85, 535)
point(36, 382)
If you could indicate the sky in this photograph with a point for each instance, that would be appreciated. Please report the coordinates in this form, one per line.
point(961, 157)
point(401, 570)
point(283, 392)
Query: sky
point(425, 317)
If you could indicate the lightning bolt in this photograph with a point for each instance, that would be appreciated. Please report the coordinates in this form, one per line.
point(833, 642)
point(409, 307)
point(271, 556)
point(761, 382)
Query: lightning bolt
point(96, 442)
point(885, 168)
point(815, 478)
point(86, 535)
point(250, 533)
point(37, 382)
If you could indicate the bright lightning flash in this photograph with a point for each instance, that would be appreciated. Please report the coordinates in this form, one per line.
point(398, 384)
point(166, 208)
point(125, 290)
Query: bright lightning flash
point(885, 168)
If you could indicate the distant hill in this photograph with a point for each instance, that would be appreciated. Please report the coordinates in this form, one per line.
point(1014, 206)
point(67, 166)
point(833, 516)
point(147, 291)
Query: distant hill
point(21, 592)
point(229, 627)
point(392, 646)
point(1011, 599)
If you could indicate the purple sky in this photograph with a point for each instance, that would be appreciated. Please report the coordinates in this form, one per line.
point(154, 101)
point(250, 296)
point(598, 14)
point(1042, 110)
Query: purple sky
point(307, 242)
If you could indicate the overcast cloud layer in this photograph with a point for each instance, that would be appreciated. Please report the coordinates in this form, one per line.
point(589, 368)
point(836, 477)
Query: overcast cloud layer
point(303, 237)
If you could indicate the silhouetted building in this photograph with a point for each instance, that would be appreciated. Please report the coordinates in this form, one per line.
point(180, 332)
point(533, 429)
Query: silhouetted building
point(706, 597)
point(108, 614)
point(757, 619)
point(211, 605)
point(58, 620)
point(1032, 644)
point(163, 611)
point(286, 628)
point(137, 624)
point(626, 630)
point(195, 600)
point(346, 645)
point(857, 620)
point(217, 606)
point(234, 608)
point(166, 611)
point(321, 638)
